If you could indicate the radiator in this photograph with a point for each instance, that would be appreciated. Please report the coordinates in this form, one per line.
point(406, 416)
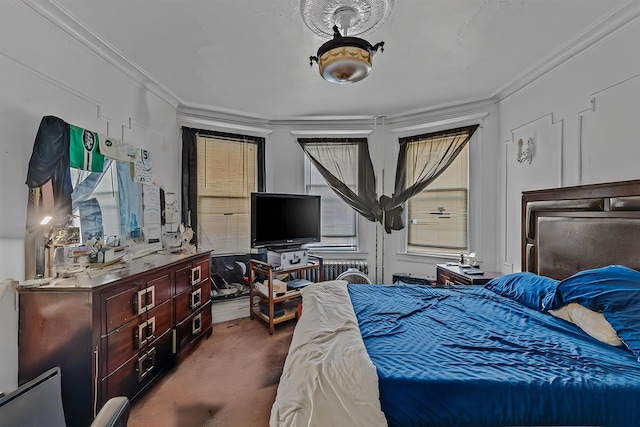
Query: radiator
point(333, 268)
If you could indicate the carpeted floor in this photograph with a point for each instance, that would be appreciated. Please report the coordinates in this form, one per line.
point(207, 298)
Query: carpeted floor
point(228, 380)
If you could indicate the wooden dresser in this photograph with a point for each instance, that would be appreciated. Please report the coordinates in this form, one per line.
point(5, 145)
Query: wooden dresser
point(454, 275)
point(114, 335)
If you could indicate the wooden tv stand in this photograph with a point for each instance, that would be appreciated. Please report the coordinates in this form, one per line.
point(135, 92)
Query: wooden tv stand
point(289, 300)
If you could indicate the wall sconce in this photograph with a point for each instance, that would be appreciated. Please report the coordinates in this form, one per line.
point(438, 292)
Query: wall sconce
point(525, 155)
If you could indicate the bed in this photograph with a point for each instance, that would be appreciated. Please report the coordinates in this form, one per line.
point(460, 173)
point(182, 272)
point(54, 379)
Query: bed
point(537, 347)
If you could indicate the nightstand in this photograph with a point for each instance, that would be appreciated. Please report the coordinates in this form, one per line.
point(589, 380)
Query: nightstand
point(454, 275)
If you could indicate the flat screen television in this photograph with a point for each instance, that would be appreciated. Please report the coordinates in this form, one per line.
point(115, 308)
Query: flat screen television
point(284, 220)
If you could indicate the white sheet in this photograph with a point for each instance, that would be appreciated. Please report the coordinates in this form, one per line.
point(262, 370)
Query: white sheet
point(328, 378)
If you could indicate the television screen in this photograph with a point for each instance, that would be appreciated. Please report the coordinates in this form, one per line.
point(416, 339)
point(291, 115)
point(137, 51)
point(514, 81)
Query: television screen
point(279, 220)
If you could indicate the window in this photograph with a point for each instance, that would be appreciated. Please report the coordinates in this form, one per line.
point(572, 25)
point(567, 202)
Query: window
point(228, 170)
point(438, 215)
point(338, 220)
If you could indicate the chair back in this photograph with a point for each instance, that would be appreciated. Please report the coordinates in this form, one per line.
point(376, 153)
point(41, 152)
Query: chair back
point(35, 403)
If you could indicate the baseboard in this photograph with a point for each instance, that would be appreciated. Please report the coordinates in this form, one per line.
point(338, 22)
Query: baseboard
point(231, 309)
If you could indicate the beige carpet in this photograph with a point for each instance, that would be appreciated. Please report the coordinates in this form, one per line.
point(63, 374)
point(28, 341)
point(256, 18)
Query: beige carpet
point(228, 380)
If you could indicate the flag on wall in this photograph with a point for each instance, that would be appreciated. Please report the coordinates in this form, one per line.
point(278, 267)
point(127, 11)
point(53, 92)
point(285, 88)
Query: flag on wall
point(84, 150)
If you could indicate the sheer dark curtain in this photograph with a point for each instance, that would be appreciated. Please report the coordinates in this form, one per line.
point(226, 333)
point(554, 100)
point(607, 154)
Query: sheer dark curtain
point(333, 158)
point(189, 213)
point(431, 154)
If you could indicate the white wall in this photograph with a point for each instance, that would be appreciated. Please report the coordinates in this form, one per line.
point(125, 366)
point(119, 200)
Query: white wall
point(43, 71)
point(583, 120)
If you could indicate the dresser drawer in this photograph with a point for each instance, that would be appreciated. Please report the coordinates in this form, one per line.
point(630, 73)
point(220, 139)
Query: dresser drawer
point(183, 278)
point(193, 327)
point(161, 286)
point(204, 265)
point(129, 302)
point(129, 379)
point(119, 306)
point(191, 274)
point(135, 336)
point(192, 300)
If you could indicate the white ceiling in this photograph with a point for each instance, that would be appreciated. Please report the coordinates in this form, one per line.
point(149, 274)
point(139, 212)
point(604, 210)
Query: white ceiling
point(251, 57)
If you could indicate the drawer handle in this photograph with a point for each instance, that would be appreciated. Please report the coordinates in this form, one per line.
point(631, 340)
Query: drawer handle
point(151, 297)
point(146, 363)
point(138, 336)
point(196, 324)
point(139, 305)
point(196, 298)
point(151, 328)
point(196, 274)
point(146, 300)
point(145, 333)
point(151, 357)
point(142, 371)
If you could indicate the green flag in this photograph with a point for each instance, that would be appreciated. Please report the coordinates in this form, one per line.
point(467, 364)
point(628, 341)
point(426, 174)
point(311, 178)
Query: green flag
point(83, 150)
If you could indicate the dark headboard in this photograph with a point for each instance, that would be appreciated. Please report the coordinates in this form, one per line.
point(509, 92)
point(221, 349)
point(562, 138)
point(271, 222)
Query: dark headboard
point(569, 229)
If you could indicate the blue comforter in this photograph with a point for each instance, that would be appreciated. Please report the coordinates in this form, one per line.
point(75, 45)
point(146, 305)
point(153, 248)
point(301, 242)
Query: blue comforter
point(464, 356)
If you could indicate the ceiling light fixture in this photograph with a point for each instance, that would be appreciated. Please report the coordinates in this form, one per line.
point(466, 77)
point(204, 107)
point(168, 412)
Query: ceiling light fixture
point(345, 58)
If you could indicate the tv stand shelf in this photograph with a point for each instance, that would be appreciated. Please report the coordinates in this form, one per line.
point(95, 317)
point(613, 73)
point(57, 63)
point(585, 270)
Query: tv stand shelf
point(288, 302)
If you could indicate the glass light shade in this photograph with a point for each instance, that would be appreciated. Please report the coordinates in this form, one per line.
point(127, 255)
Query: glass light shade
point(345, 59)
point(345, 64)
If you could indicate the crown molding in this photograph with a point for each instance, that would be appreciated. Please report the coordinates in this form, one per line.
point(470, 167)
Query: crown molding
point(610, 24)
point(54, 13)
point(443, 123)
point(222, 125)
point(349, 133)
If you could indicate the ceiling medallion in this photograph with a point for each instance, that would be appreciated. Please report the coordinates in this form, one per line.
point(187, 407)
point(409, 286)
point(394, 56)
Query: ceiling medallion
point(365, 16)
point(345, 58)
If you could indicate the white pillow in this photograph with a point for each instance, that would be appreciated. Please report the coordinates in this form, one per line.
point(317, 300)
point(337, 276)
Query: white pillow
point(562, 313)
point(592, 322)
